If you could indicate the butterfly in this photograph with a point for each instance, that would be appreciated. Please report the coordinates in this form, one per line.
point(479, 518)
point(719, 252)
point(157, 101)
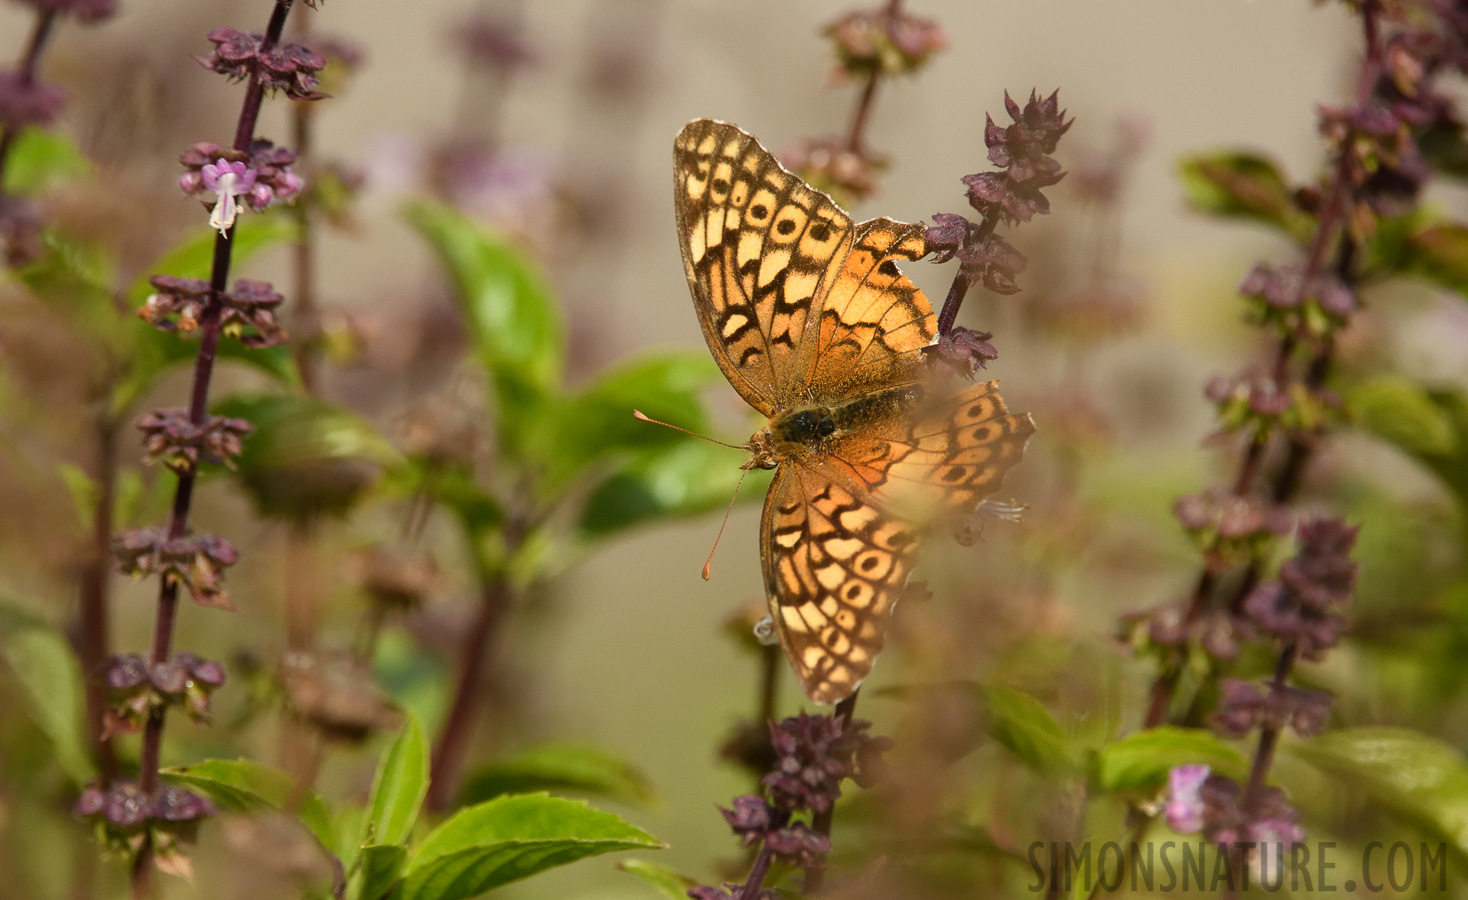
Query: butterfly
point(816, 327)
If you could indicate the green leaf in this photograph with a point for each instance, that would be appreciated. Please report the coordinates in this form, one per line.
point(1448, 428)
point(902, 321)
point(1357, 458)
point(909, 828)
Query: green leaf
point(598, 421)
point(1242, 185)
point(1142, 760)
point(305, 457)
point(688, 478)
point(40, 160)
point(381, 864)
point(1439, 253)
point(1431, 426)
point(559, 767)
point(1415, 776)
point(664, 880)
point(1401, 412)
point(510, 310)
point(245, 786)
point(1023, 725)
point(505, 840)
point(194, 256)
point(455, 488)
point(399, 786)
point(50, 680)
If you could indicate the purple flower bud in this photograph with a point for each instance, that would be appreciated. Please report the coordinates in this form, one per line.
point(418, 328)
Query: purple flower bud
point(1184, 807)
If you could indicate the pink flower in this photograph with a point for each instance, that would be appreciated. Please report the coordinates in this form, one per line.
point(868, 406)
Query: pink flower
point(227, 180)
point(1184, 807)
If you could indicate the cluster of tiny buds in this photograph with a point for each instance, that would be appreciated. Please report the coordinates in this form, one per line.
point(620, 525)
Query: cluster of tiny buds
point(1200, 801)
point(1229, 527)
point(832, 165)
point(173, 439)
point(247, 312)
point(127, 817)
point(813, 754)
point(136, 689)
point(290, 68)
point(26, 101)
point(219, 175)
point(884, 41)
point(1022, 151)
point(195, 561)
point(1302, 608)
point(1288, 300)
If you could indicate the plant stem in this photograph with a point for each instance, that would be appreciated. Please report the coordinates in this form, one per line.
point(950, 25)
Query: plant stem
point(959, 288)
point(821, 821)
point(856, 133)
point(448, 750)
point(30, 62)
point(210, 325)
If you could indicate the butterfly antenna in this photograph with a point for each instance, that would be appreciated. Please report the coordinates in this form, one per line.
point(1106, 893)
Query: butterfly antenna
point(637, 413)
point(708, 563)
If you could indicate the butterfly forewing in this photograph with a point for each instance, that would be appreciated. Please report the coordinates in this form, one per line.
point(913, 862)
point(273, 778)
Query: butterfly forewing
point(874, 322)
point(759, 247)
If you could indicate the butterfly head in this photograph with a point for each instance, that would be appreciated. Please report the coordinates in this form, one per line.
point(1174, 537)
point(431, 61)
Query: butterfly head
point(762, 450)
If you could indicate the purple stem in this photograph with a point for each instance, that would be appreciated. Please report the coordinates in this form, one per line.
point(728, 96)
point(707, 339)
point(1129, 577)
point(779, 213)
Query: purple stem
point(45, 23)
point(210, 327)
point(821, 821)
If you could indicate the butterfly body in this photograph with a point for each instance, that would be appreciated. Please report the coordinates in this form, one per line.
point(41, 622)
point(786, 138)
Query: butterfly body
point(811, 319)
point(813, 430)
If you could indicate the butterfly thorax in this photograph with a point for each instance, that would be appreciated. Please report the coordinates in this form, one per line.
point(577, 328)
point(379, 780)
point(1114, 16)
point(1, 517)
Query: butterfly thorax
point(814, 428)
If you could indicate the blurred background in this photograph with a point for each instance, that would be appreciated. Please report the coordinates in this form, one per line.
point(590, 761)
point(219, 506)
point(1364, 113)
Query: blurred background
point(553, 122)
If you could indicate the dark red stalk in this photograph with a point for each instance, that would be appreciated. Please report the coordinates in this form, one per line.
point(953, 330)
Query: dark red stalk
point(857, 131)
point(209, 327)
point(448, 750)
point(821, 821)
point(948, 316)
point(30, 62)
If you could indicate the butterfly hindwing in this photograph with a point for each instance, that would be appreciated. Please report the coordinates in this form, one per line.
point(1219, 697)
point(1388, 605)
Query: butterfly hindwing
point(949, 458)
point(759, 248)
point(834, 566)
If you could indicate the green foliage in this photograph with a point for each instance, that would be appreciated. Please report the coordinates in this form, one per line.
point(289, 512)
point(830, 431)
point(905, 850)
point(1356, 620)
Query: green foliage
point(688, 478)
point(1414, 776)
point(1245, 186)
point(665, 881)
point(1141, 761)
point(559, 767)
point(306, 457)
point(597, 422)
point(245, 786)
point(1025, 727)
point(512, 316)
point(399, 787)
point(50, 681)
point(1430, 426)
point(508, 839)
point(1439, 253)
point(40, 160)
